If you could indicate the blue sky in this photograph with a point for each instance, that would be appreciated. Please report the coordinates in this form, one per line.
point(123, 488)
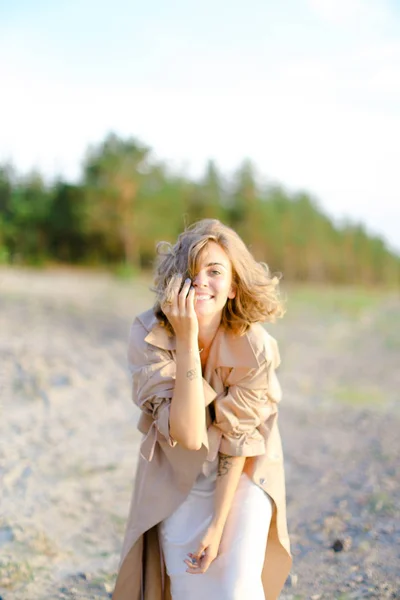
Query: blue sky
point(309, 89)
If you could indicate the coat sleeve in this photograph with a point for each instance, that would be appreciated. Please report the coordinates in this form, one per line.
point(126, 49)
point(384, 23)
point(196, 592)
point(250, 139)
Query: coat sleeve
point(153, 381)
point(250, 399)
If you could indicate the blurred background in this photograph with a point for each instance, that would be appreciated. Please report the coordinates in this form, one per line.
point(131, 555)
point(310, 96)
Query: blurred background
point(120, 123)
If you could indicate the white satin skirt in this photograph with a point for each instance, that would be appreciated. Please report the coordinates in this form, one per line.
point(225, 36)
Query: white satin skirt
point(236, 572)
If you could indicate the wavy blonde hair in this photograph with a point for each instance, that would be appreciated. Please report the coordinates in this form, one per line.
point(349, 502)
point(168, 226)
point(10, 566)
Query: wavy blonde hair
point(257, 291)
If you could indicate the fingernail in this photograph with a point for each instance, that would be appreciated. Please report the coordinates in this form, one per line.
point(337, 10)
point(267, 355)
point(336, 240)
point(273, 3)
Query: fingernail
point(187, 280)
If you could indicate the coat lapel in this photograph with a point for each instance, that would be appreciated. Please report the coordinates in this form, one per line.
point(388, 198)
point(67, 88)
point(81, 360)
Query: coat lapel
point(228, 349)
point(158, 336)
point(234, 351)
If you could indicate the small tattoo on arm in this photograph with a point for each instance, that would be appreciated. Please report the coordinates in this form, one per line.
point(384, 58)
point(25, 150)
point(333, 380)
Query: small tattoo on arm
point(192, 374)
point(224, 464)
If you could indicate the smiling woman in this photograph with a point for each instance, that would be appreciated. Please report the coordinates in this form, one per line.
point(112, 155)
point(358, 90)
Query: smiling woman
point(255, 295)
point(210, 494)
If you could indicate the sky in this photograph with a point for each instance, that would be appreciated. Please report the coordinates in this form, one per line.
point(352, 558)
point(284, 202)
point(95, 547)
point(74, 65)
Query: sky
point(307, 89)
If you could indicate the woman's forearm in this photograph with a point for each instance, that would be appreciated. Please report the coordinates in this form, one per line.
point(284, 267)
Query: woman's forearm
point(230, 469)
point(187, 417)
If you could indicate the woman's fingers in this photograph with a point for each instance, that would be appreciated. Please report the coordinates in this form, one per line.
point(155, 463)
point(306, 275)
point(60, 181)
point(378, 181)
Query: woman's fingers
point(182, 298)
point(181, 302)
point(200, 551)
point(170, 305)
point(179, 308)
point(175, 293)
point(190, 302)
point(193, 566)
point(197, 566)
point(206, 561)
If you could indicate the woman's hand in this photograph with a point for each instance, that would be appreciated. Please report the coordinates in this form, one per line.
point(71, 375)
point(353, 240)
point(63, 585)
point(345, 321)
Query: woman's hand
point(179, 309)
point(199, 561)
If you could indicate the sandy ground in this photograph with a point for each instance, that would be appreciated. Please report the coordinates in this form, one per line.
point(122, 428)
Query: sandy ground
point(68, 440)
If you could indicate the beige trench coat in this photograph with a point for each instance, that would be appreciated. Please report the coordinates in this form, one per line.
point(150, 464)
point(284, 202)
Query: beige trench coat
point(240, 379)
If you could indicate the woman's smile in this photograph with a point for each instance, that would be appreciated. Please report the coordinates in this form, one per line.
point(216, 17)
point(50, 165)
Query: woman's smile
point(203, 297)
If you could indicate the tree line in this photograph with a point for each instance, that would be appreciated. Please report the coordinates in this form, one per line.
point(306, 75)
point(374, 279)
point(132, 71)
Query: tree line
point(126, 201)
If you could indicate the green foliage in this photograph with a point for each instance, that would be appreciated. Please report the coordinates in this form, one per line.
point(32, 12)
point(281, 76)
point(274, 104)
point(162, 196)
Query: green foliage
point(114, 173)
point(67, 239)
point(4, 255)
point(127, 201)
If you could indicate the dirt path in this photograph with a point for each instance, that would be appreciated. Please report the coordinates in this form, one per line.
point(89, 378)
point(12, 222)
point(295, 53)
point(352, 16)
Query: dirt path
point(68, 440)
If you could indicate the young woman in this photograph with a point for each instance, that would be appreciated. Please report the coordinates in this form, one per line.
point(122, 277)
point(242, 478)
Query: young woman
point(208, 516)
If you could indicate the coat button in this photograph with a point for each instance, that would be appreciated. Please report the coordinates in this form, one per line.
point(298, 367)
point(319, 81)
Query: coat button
point(262, 481)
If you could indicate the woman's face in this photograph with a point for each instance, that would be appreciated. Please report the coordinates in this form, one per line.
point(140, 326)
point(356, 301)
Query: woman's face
point(213, 281)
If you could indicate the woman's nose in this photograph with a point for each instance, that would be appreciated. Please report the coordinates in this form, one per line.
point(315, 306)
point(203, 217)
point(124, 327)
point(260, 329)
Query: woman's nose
point(200, 280)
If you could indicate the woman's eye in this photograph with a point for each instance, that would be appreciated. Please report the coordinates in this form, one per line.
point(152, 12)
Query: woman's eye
point(213, 272)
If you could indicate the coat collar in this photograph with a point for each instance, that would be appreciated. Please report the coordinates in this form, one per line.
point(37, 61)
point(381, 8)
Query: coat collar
point(228, 349)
